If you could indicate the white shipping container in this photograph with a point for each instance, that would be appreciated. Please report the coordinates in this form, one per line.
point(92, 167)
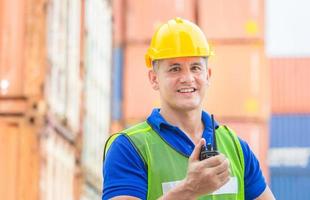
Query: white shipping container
point(56, 48)
point(98, 58)
point(57, 168)
point(90, 193)
point(73, 66)
point(63, 87)
point(287, 32)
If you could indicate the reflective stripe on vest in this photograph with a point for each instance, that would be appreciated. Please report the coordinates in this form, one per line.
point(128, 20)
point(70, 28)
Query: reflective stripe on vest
point(165, 165)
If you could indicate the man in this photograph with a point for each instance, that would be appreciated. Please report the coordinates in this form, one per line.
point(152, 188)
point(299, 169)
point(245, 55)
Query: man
point(159, 158)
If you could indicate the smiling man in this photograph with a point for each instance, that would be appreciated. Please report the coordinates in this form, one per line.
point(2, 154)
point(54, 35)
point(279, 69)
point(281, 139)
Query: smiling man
point(160, 157)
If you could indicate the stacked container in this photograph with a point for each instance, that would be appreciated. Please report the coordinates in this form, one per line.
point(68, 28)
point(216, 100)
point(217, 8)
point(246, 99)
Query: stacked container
point(78, 95)
point(22, 65)
point(239, 90)
point(238, 94)
point(288, 47)
point(97, 93)
point(63, 85)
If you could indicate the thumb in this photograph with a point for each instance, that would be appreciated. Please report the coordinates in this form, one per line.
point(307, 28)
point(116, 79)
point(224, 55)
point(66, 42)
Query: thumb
point(196, 152)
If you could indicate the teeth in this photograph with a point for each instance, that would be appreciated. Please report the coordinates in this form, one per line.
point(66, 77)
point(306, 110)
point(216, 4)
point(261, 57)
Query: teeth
point(186, 90)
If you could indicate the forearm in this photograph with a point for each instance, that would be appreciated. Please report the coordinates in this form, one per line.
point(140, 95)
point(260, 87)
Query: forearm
point(181, 192)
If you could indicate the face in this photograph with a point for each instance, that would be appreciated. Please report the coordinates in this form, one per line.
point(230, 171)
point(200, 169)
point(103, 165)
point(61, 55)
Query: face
point(181, 82)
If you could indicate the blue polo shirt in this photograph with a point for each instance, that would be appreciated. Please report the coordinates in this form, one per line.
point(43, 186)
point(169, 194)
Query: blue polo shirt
point(124, 172)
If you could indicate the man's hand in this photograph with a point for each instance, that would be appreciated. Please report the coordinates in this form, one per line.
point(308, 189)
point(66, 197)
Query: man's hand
point(203, 177)
point(206, 176)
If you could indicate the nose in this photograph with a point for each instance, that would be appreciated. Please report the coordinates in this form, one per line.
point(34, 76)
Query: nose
point(187, 76)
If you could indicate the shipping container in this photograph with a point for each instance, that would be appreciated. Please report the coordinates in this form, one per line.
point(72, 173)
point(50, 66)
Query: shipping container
point(98, 67)
point(74, 83)
point(35, 48)
point(119, 26)
point(55, 91)
point(90, 193)
point(287, 35)
point(290, 130)
point(117, 83)
point(139, 97)
point(289, 85)
point(19, 159)
point(144, 17)
point(63, 91)
point(57, 166)
point(15, 106)
point(290, 172)
point(228, 20)
point(239, 84)
point(255, 134)
point(12, 40)
point(290, 183)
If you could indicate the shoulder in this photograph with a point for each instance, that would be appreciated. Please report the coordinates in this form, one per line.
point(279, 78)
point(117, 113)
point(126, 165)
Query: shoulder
point(122, 164)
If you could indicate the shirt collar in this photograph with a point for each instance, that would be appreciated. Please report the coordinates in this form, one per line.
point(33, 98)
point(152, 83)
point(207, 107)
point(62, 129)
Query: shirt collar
point(157, 121)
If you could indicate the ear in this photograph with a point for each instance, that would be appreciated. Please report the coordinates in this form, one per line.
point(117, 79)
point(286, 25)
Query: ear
point(209, 72)
point(153, 78)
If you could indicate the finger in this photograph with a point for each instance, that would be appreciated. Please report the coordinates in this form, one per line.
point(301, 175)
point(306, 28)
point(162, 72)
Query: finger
point(214, 161)
point(224, 175)
point(196, 151)
point(222, 167)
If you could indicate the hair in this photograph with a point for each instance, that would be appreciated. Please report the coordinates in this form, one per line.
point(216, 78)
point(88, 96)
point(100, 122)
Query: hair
point(155, 65)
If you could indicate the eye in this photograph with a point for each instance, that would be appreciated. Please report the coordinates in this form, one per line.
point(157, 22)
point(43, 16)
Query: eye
point(174, 69)
point(196, 68)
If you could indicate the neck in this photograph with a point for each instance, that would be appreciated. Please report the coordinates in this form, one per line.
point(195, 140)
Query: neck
point(188, 121)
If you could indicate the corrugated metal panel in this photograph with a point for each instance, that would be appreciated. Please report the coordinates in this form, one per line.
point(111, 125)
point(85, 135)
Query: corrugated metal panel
point(143, 17)
point(118, 12)
point(289, 157)
point(256, 135)
point(9, 161)
point(290, 130)
point(242, 19)
point(117, 85)
point(289, 183)
point(12, 40)
point(139, 97)
point(57, 54)
point(98, 66)
point(57, 167)
point(287, 34)
point(90, 193)
point(239, 85)
point(289, 85)
point(35, 48)
point(13, 106)
point(74, 82)
point(19, 160)
point(63, 83)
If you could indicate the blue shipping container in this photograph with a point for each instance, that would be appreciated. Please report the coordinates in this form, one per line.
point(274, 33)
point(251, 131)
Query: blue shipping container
point(290, 183)
point(117, 82)
point(290, 130)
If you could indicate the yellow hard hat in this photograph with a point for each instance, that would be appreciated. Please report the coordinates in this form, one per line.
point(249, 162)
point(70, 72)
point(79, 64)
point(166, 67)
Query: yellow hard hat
point(177, 38)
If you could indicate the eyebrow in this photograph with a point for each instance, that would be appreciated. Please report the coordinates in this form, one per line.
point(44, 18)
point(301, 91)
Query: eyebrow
point(196, 63)
point(174, 64)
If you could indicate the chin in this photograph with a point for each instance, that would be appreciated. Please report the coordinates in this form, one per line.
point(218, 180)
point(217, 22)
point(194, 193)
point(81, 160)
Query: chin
point(188, 106)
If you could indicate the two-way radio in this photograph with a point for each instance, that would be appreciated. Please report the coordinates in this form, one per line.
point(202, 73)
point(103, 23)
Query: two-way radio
point(211, 150)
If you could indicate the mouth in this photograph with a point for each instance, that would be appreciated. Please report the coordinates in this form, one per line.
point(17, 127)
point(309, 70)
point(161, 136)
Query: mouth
point(187, 90)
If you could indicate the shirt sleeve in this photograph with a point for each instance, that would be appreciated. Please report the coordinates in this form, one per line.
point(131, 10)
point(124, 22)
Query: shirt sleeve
point(254, 181)
point(124, 172)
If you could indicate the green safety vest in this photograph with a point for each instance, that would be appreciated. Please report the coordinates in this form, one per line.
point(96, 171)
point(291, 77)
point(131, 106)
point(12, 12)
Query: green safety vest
point(165, 164)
